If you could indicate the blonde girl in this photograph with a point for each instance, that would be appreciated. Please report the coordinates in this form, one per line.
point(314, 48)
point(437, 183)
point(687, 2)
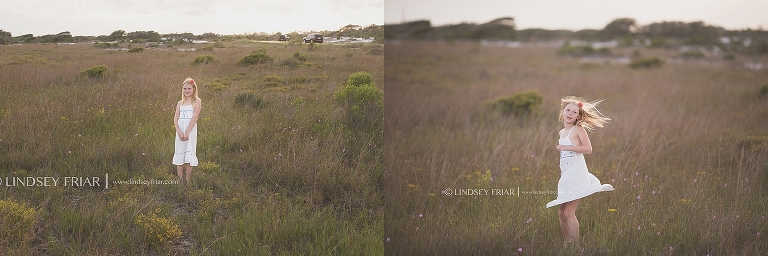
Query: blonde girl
point(576, 182)
point(185, 121)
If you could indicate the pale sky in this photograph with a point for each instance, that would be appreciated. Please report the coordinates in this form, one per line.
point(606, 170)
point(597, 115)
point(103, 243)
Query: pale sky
point(102, 17)
point(580, 14)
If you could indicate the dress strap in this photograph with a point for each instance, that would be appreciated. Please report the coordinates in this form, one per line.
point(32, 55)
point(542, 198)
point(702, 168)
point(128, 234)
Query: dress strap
point(569, 132)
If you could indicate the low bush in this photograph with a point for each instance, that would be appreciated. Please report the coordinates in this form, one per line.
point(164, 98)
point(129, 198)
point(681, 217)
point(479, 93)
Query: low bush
point(272, 81)
point(764, 90)
point(204, 59)
point(256, 57)
point(222, 83)
point(363, 101)
point(215, 86)
point(136, 49)
point(291, 63)
point(646, 62)
point(753, 142)
point(693, 54)
point(250, 100)
point(582, 50)
point(300, 57)
point(94, 72)
point(360, 79)
point(106, 45)
point(376, 51)
point(158, 230)
point(519, 104)
point(658, 42)
point(18, 220)
point(209, 167)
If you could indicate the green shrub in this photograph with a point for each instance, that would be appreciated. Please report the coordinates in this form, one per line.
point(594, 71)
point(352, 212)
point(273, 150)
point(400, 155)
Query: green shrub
point(693, 54)
point(658, 42)
point(215, 86)
point(302, 80)
point(519, 104)
point(300, 57)
point(222, 83)
point(298, 103)
point(207, 48)
point(646, 62)
point(363, 101)
point(582, 50)
point(18, 220)
point(158, 230)
point(106, 45)
point(291, 63)
point(348, 55)
point(136, 49)
point(575, 50)
point(272, 81)
point(764, 90)
point(250, 100)
point(376, 51)
point(256, 57)
point(360, 79)
point(753, 142)
point(729, 56)
point(204, 59)
point(209, 167)
point(94, 72)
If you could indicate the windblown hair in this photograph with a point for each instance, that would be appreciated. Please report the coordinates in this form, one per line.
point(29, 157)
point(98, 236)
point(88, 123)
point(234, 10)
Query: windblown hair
point(590, 117)
point(194, 87)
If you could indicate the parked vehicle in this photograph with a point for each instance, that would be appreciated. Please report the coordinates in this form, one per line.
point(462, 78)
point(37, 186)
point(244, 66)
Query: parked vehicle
point(313, 37)
point(283, 38)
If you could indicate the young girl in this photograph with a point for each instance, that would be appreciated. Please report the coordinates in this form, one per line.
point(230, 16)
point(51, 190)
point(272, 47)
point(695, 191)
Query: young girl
point(185, 121)
point(575, 180)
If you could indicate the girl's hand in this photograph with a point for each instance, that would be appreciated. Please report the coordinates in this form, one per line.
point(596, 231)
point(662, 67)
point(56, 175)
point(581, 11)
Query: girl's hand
point(560, 147)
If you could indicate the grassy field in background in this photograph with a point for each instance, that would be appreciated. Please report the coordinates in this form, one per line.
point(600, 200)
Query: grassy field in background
point(281, 172)
point(686, 151)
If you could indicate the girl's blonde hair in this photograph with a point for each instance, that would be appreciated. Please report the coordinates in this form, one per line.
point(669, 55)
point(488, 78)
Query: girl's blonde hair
point(590, 116)
point(190, 81)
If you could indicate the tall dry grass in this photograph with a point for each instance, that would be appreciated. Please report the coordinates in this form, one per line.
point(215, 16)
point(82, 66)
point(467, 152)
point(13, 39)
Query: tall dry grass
point(685, 151)
point(283, 178)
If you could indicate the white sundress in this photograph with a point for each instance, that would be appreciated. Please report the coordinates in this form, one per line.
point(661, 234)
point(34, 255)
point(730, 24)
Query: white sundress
point(575, 180)
point(186, 151)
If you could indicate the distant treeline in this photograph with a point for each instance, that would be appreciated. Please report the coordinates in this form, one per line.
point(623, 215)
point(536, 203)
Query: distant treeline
point(625, 30)
point(355, 31)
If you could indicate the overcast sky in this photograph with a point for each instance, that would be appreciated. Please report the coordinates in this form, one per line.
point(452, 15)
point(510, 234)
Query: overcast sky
point(102, 17)
point(580, 14)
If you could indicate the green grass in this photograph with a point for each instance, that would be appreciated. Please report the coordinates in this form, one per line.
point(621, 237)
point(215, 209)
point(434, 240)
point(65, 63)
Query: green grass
point(684, 150)
point(288, 177)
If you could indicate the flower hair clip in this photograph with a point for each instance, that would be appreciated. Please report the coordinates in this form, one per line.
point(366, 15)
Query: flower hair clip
point(193, 81)
point(581, 104)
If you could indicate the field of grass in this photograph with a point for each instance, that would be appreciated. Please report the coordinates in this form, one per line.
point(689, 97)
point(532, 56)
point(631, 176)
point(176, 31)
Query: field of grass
point(686, 151)
point(281, 171)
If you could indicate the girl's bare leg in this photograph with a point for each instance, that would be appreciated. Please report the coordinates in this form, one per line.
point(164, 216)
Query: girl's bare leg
point(563, 221)
point(180, 172)
point(569, 225)
point(189, 173)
